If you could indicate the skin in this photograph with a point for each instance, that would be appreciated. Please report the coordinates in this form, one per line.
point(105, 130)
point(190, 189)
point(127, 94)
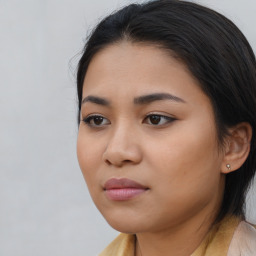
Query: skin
point(178, 160)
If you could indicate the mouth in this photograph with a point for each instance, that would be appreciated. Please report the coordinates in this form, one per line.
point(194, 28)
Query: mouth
point(123, 189)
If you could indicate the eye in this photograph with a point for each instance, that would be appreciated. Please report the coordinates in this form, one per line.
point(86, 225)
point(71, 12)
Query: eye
point(155, 119)
point(96, 121)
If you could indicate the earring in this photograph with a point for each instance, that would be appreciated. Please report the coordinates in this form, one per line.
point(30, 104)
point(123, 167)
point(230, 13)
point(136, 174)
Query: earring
point(228, 166)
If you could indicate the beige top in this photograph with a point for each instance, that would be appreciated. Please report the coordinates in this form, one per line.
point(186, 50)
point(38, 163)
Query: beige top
point(231, 237)
point(244, 241)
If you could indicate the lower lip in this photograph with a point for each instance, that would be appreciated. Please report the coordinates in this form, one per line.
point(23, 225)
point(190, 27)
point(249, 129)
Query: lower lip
point(123, 194)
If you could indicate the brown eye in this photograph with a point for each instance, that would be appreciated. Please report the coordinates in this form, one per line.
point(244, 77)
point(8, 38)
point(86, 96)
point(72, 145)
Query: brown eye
point(96, 121)
point(158, 120)
point(154, 119)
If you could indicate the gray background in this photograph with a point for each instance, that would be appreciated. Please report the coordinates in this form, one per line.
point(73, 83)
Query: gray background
point(45, 205)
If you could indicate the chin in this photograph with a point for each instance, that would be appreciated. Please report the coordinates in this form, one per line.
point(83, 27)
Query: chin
point(124, 225)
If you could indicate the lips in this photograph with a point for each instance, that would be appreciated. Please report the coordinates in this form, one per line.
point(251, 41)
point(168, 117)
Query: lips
point(123, 189)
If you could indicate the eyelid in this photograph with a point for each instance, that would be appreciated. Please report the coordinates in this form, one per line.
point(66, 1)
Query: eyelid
point(168, 118)
point(90, 117)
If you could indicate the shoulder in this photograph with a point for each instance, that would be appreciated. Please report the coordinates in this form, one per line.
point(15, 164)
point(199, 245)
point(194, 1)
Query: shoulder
point(243, 242)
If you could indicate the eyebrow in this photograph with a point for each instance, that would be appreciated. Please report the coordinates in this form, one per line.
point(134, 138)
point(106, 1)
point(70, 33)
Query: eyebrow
point(145, 99)
point(141, 100)
point(96, 100)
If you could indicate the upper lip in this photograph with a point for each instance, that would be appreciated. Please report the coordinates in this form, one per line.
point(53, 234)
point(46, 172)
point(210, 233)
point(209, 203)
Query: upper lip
point(119, 183)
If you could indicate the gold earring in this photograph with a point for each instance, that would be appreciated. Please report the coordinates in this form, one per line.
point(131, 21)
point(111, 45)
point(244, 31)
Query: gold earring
point(228, 166)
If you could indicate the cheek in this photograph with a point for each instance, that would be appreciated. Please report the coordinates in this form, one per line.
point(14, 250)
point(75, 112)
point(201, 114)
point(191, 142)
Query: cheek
point(185, 145)
point(185, 177)
point(88, 154)
point(186, 160)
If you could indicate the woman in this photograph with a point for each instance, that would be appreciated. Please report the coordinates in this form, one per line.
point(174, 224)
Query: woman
point(166, 143)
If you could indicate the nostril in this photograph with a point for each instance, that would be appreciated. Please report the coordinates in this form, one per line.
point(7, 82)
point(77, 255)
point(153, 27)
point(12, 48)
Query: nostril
point(127, 161)
point(108, 162)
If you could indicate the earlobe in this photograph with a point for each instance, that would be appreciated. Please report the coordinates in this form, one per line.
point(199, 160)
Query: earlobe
point(237, 147)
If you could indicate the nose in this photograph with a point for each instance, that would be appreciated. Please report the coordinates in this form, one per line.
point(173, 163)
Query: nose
point(123, 148)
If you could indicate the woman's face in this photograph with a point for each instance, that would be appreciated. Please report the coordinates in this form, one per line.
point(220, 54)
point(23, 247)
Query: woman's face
point(147, 142)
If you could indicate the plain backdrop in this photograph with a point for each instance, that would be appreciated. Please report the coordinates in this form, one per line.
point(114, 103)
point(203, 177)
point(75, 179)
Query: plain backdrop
point(45, 205)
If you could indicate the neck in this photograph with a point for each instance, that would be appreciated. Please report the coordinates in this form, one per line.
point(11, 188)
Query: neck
point(181, 240)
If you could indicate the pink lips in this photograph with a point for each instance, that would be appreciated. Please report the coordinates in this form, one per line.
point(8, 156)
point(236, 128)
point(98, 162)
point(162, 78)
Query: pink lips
point(123, 189)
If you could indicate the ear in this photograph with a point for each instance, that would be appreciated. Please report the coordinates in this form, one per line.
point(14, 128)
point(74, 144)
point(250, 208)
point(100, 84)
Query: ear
point(237, 147)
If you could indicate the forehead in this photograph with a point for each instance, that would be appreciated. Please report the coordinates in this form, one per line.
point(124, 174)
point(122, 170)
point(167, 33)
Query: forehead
point(132, 68)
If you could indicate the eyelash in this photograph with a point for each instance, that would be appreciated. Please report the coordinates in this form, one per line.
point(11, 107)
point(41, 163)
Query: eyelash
point(88, 120)
point(91, 118)
point(167, 119)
